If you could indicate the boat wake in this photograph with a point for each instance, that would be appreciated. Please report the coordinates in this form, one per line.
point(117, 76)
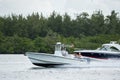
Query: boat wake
point(93, 64)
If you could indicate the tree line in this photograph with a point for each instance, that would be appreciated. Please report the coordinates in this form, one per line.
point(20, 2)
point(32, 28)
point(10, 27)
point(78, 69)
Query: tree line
point(35, 32)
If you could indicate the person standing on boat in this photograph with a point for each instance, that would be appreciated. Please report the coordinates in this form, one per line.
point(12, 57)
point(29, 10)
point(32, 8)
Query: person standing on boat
point(64, 52)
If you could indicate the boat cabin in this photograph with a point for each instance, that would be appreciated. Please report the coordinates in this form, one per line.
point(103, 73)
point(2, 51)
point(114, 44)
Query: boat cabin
point(60, 50)
point(112, 46)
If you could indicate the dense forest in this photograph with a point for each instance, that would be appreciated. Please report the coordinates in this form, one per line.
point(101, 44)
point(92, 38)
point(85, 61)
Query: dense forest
point(19, 34)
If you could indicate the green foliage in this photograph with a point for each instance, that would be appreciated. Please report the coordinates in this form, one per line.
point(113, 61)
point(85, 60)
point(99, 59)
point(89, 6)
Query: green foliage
point(40, 44)
point(35, 32)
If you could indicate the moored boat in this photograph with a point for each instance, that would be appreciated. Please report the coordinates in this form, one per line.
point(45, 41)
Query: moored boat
point(107, 51)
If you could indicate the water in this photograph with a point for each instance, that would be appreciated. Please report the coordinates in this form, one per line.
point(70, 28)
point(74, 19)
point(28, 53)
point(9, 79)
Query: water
point(18, 67)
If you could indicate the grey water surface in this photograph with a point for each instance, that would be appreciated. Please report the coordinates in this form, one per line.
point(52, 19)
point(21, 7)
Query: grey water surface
point(18, 67)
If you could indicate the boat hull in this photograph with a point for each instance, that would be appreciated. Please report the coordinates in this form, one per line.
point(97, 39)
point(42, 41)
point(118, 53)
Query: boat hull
point(46, 60)
point(100, 54)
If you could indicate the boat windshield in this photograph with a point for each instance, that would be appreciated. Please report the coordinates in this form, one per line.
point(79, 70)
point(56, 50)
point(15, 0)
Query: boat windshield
point(103, 48)
point(108, 48)
point(114, 49)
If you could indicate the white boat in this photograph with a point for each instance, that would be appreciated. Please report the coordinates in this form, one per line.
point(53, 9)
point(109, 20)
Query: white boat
point(60, 57)
point(107, 51)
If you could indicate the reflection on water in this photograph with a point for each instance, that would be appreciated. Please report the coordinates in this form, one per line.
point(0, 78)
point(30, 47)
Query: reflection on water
point(36, 68)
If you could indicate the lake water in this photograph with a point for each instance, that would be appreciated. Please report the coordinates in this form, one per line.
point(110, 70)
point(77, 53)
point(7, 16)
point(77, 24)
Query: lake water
point(18, 67)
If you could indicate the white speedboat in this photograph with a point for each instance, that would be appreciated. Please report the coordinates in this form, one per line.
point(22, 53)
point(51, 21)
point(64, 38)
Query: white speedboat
point(60, 57)
point(107, 51)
